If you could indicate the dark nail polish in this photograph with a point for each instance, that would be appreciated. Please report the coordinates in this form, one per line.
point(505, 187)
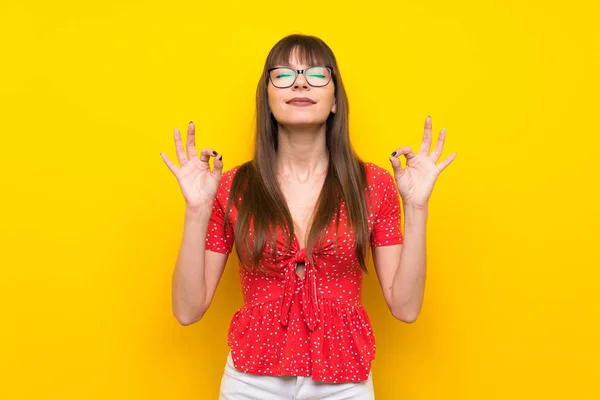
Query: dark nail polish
point(221, 158)
point(191, 122)
point(394, 153)
point(214, 153)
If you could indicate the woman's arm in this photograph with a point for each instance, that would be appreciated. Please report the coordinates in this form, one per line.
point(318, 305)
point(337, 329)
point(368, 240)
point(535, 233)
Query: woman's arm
point(197, 271)
point(401, 268)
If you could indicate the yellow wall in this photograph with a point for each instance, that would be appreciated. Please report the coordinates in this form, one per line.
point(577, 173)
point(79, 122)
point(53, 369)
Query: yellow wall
point(91, 217)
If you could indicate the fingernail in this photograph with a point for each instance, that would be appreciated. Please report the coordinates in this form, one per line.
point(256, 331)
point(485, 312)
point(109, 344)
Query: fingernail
point(394, 153)
point(429, 116)
point(214, 153)
point(191, 123)
point(221, 158)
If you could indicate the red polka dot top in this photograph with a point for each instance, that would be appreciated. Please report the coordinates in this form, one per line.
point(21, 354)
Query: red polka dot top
point(313, 326)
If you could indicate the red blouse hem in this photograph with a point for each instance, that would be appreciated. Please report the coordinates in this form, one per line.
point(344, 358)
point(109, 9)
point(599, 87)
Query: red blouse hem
point(340, 349)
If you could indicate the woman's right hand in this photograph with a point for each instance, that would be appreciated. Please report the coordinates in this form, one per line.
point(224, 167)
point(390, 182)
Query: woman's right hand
point(198, 183)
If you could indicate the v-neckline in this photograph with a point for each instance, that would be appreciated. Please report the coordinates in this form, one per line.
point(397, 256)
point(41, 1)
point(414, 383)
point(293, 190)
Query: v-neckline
point(298, 242)
point(310, 221)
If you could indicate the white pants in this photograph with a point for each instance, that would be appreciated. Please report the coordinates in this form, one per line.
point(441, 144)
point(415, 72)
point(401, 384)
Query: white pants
point(238, 385)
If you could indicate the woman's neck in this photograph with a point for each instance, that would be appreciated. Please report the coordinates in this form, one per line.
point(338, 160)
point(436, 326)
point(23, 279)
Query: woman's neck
point(302, 153)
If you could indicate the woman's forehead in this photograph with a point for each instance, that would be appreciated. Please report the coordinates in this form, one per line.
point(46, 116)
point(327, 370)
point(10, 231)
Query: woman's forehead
point(298, 59)
point(297, 65)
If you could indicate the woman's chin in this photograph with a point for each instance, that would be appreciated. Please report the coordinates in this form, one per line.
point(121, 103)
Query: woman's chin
point(302, 122)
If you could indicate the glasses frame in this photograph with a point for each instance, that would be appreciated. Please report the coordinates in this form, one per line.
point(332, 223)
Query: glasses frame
point(298, 72)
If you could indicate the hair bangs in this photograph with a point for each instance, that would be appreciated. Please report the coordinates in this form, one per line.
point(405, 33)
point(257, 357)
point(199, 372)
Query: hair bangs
point(305, 49)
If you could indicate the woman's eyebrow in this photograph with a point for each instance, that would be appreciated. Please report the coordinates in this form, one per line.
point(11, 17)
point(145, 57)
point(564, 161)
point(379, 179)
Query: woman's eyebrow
point(290, 66)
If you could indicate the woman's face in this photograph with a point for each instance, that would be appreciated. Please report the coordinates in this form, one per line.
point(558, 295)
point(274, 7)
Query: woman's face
point(301, 104)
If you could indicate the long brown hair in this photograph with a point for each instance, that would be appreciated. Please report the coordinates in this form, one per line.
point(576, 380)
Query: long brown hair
point(255, 190)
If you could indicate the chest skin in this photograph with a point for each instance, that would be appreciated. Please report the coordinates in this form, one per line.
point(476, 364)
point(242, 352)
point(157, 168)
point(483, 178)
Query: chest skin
point(301, 198)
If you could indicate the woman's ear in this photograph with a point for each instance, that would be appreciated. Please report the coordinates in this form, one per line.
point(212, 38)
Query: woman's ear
point(334, 107)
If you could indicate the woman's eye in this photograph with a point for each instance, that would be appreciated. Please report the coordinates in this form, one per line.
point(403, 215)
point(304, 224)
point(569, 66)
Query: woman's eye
point(284, 75)
point(317, 76)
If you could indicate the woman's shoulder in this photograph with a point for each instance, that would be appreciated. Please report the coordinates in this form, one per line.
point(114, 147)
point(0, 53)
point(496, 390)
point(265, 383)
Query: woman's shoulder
point(230, 173)
point(377, 175)
point(227, 177)
point(225, 183)
point(373, 168)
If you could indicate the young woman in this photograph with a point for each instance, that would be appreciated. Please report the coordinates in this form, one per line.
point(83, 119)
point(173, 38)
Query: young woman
point(302, 214)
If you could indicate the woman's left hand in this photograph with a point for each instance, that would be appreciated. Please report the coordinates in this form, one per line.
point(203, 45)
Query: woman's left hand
point(415, 182)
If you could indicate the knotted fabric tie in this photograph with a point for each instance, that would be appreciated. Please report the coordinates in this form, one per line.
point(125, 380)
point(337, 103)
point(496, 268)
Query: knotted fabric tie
point(310, 303)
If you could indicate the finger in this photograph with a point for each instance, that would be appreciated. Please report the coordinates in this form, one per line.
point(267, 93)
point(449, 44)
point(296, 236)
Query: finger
point(406, 151)
point(169, 163)
point(441, 166)
point(396, 164)
point(207, 153)
point(426, 143)
point(437, 152)
point(179, 148)
point(191, 141)
point(218, 165)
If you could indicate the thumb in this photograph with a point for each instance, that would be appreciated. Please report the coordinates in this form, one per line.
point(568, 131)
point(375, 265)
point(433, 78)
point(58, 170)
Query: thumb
point(396, 165)
point(218, 166)
point(407, 152)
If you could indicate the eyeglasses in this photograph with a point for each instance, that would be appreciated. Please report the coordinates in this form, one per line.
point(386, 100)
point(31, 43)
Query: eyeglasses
point(283, 77)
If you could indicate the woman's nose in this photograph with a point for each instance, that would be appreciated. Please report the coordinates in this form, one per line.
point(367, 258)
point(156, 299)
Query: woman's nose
point(300, 81)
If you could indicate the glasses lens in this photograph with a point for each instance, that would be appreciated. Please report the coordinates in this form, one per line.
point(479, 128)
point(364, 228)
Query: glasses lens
point(318, 76)
point(282, 77)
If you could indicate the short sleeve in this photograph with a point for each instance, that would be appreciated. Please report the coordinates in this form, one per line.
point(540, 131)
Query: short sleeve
point(387, 228)
point(217, 238)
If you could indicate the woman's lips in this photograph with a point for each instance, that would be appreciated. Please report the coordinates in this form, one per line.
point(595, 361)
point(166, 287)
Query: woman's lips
point(301, 103)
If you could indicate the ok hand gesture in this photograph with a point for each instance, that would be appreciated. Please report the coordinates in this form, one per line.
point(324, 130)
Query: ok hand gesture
point(415, 182)
point(198, 183)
